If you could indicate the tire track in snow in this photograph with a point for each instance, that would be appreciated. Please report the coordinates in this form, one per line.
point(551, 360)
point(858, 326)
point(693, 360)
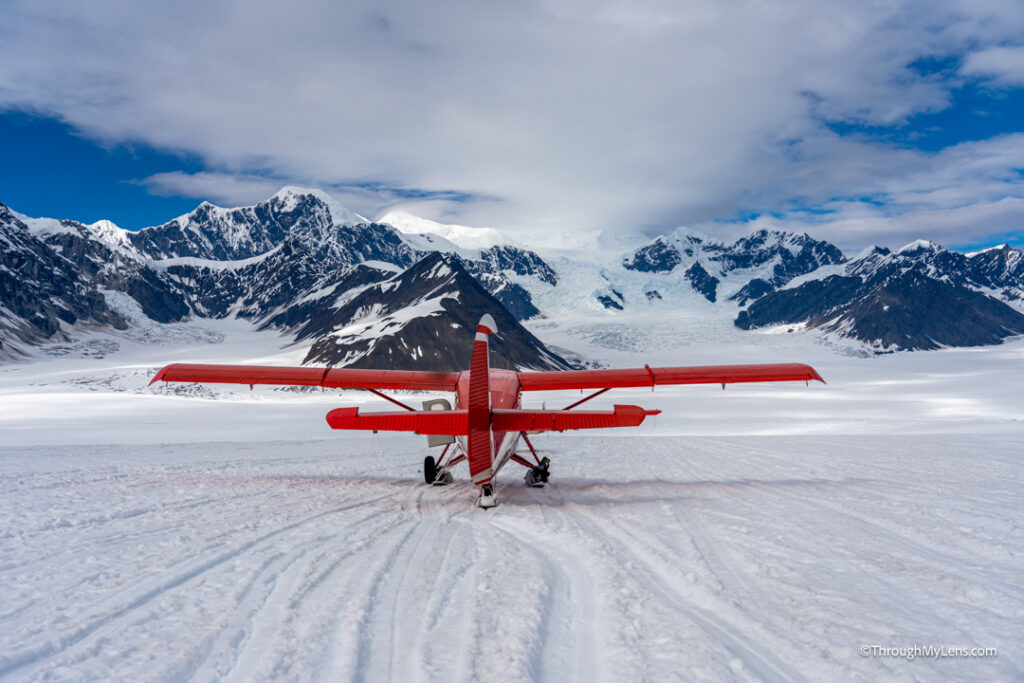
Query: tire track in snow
point(731, 581)
point(364, 640)
point(563, 652)
point(13, 662)
point(758, 659)
point(281, 603)
point(451, 576)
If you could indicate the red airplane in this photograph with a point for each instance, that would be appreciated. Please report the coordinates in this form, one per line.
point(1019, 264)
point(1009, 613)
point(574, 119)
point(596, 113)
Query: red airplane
point(487, 423)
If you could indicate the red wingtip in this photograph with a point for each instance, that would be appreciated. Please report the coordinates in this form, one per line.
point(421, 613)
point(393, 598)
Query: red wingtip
point(654, 412)
point(160, 375)
point(814, 374)
point(342, 418)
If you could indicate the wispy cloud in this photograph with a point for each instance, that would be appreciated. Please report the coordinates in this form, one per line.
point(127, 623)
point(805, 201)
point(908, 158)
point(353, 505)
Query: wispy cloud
point(1002, 65)
point(238, 189)
point(220, 188)
point(564, 114)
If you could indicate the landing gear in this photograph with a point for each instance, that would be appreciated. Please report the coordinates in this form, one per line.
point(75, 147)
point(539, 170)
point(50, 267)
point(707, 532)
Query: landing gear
point(438, 472)
point(538, 476)
point(432, 474)
point(538, 471)
point(487, 499)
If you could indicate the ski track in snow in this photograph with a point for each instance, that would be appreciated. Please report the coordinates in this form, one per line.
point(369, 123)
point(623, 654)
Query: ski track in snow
point(730, 558)
point(761, 533)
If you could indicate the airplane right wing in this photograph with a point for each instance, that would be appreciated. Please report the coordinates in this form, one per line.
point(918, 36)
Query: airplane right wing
point(650, 377)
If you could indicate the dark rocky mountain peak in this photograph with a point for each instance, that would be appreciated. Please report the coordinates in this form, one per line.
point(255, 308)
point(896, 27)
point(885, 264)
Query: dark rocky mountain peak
point(702, 281)
point(41, 292)
point(422, 318)
point(211, 232)
point(755, 264)
point(657, 257)
point(919, 297)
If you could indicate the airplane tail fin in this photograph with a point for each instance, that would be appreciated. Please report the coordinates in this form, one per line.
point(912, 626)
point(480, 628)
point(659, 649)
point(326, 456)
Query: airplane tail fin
point(479, 440)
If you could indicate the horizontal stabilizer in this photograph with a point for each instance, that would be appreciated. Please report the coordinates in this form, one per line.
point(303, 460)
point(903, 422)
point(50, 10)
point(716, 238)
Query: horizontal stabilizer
point(455, 422)
point(443, 422)
point(561, 420)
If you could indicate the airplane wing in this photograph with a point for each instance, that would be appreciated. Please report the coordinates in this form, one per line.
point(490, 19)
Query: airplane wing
point(561, 420)
point(455, 422)
point(342, 378)
point(443, 422)
point(650, 377)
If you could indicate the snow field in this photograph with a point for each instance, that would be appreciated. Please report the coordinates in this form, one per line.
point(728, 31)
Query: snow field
point(731, 558)
point(761, 533)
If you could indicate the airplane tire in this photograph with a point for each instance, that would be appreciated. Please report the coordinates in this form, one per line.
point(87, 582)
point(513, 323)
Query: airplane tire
point(429, 469)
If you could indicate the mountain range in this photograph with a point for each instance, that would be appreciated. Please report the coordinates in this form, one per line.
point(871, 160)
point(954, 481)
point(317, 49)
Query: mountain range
point(369, 294)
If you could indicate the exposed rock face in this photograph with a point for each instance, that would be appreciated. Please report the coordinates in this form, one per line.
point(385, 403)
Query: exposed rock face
point(211, 232)
point(702, 281)
point(754, 289)
point(424, 318)
point(789, 255)
point(504, 258)
point(657, 257)
point(41, 292)
point(253, 260)
point(612, 298)
point(106, 266)
point(893, 302)
point(760, 262)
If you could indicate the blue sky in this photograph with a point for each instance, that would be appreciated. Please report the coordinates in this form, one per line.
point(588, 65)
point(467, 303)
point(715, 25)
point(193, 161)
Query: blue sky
point(50, 171)
point(857, 122)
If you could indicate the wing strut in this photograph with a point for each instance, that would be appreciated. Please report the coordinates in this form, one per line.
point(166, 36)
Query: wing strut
point(584, 400)
point(388, 398)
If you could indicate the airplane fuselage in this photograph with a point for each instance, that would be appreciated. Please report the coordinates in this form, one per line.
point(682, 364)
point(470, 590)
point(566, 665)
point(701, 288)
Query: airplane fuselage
point(504, 392)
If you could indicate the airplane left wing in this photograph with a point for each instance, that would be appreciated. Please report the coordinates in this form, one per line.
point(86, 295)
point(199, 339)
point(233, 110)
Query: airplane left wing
point(650, 377)
point(339, 378)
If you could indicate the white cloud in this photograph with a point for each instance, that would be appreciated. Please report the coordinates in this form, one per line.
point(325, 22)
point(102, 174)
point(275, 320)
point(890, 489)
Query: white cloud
point(956, 197)
point(220, 188)
point(1003, 65)
point(562, 113)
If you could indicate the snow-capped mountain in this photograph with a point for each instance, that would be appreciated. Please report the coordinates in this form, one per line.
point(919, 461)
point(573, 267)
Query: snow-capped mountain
point(920, 297)
point(279, 264)
point(760, 262)
point(463, 236)
point(106, 259)
point(296, 262)
point(42, 294)
point(423, 317)
point(210, 232)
